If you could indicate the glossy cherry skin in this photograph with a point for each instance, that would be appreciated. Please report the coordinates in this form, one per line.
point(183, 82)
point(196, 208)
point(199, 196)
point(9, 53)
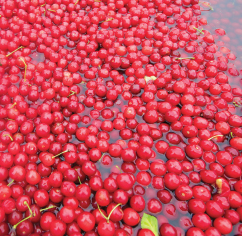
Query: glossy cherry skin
point(58, 227)
point(106, 228)
point(131, 217)
point(86, 221)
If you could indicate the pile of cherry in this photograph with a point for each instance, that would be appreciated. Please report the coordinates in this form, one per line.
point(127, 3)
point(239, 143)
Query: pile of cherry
point(117, 118)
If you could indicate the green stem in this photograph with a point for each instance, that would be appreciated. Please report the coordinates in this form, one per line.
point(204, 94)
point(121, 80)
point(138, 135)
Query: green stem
point(105, 217)
point(14, 51)
point(231, 134)
point(60, 153)
point(113, 210)
point(219, 135)
point(119, 169)
point(10, 182)
point(47, 208)
point(72, 93)
point(236, 104)
point(13, 105)
point(200, 31)
point(26, 204)
point(31, 214)
point(8, 136)
point(181, 58)
point(25, 67)
point(207, 4)
point(108, 20)
point(15, 226)
point(79, 180)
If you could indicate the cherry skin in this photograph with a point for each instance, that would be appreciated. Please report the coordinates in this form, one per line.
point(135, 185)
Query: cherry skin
point(106, 228)
point(145, 232)
point(167, 229)
point(57, 227)
point(131, 217)
point(86, 221)
point(223, 225)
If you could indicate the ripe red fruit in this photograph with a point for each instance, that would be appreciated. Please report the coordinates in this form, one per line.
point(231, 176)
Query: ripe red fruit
point(86, 221)
point(167, 229)
point(58, 228)
point(223, 225)
point(106, 228)
point(131, 217)
point(145, 232)
point(201, 221)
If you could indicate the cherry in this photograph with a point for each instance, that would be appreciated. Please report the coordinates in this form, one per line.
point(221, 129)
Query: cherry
point(124, 181)
point(223, 225)
point(86, 221)
point(106, 228)
point(102, 197)
point(137, 203)
point(194, 230)
point(131, 217)
point(154, 206)
point(58, 227)
point(46, 220)
point(67, 214)
point(201, 221)
point(167, 229)
point(145, 232)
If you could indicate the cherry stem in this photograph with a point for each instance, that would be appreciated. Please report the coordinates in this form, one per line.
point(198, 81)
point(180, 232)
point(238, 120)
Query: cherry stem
point(219, 135)
point(13, 105)
point(200, 31)
point(119, 169)
point(14, 51)
point(113, 210)
point(79, 180)
point(26, 204)
point(60, 153)
point(207, 4)
point(101, 157)
point(236, 104)
point(15, 226)
point(25, 67)
point(43, 5)
point(108, 20)
point(72, 93)
point(51, 10)
point(47, 208)
point(8, 136)
point(31, 214)
point(231, 134)
point(76, 2)
point(181, 58)
point(10, 182)
point(105, 217)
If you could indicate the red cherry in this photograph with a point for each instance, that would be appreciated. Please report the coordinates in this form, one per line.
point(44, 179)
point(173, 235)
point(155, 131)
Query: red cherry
point(86, 221)
point(223, 225)
point(131, 217)
point(57, 227)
